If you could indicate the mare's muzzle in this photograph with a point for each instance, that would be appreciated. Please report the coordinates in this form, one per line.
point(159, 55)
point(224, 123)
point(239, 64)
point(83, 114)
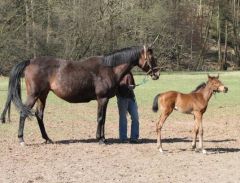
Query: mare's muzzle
point(154, 73)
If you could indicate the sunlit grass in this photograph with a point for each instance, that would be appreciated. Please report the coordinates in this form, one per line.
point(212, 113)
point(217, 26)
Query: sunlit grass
point(59, 111)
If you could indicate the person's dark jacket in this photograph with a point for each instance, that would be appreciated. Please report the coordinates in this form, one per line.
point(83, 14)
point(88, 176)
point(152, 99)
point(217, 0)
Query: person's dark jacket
point(126, 86)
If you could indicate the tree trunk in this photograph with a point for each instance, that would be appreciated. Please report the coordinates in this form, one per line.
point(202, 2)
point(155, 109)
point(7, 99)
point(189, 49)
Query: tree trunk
point(201, 20)
point(224, 64)
point(33, 30)
point(202, 51)
point(235, 32)
point(191, 41)
point(27, 27)
point(49, 27)
point(219, 37)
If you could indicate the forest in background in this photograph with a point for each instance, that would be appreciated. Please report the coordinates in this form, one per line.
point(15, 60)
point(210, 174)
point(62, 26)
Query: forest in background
point(194, 35)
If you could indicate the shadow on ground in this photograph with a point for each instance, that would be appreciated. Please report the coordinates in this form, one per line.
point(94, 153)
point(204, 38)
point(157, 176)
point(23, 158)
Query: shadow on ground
point(141, 141)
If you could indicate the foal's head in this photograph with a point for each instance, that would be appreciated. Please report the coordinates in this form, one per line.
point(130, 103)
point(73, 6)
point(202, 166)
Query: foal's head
point(148, 63)
point(216, 85)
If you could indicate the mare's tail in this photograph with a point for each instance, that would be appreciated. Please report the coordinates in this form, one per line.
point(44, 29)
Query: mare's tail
point(5, 110)
point(155, 103)
point(14, 91)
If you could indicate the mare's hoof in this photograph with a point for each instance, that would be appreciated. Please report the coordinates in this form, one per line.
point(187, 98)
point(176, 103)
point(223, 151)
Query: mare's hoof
point(2, 120)
point(22, 144)
point(49, 141)
point(102, 142)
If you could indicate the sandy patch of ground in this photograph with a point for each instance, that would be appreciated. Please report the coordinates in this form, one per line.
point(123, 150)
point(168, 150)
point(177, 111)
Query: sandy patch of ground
point(77, 157)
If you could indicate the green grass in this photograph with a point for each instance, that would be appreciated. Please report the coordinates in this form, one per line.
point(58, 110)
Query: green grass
point(220, 106)
point(183, 82)
point(186, 82)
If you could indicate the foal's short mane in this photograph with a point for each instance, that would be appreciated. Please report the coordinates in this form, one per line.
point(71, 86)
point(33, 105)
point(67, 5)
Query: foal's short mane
point(200, 86)
point(125, 55)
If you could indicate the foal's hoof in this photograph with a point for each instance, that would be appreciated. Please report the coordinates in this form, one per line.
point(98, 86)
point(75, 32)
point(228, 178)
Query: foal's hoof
point(160, 150)
point(193, 147)
point(204, 151)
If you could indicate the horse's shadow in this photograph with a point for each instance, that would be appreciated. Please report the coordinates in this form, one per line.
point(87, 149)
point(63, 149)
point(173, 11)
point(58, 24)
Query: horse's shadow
point(112, 141)
point(219, 150)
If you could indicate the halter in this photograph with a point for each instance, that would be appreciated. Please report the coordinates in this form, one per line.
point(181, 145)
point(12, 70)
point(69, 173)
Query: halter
point(146, 61)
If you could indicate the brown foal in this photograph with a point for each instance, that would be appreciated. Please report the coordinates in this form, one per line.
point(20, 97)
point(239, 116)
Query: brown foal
point(194, 103)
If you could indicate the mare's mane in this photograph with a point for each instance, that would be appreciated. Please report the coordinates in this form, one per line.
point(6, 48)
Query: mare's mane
point(125, 55)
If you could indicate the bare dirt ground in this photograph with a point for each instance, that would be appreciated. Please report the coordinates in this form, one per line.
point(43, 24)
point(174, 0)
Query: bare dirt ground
point(77, 157)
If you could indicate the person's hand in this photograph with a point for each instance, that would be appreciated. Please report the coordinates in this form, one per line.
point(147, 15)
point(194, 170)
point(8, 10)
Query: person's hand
point(131, 87)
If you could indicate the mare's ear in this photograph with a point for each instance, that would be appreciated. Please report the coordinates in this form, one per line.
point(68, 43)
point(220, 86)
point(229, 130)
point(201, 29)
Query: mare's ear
point(152, 44)
point(150, 50)
point(217, 76)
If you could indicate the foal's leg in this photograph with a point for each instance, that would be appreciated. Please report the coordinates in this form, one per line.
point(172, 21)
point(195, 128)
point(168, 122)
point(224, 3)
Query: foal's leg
point(195, 133)
point(102, 107)
point(39, 115)
point(160, 123)
point(29, 103)
point(199, 122)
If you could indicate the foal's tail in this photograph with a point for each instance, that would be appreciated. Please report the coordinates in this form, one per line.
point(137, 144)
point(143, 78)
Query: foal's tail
point(155, 103)
point(14, 91)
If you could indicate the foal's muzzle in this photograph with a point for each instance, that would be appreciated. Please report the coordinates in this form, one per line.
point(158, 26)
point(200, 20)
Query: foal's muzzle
point(225, 89)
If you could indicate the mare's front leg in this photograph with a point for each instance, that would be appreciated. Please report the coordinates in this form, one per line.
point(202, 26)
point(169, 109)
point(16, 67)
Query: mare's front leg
point(39, 115)
point(101, 116)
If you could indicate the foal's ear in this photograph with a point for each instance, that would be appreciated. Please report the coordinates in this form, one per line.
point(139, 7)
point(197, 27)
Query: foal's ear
point(217, 76)
point(209, 77)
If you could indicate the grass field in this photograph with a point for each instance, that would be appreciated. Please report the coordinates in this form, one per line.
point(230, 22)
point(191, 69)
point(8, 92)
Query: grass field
point(221, 105)
point(76, 155)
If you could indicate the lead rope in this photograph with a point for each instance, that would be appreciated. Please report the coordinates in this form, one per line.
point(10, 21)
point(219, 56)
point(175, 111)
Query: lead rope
point(144, 80)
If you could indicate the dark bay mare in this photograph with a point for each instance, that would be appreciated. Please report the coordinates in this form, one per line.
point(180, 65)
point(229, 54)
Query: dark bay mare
point(95, 78)
point(194, 103)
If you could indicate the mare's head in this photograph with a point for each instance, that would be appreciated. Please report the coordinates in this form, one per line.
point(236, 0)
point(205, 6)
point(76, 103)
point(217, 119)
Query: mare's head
point(148, 63)
point(136, 55)
point(216, 85)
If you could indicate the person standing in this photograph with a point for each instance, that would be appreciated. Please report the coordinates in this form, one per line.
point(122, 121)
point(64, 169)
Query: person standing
point(127, 104)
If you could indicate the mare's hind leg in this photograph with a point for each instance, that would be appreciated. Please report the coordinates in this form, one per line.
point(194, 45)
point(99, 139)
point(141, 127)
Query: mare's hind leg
point(6, 108)
point(163, 117)
point(39, 115)
point(29, 103)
